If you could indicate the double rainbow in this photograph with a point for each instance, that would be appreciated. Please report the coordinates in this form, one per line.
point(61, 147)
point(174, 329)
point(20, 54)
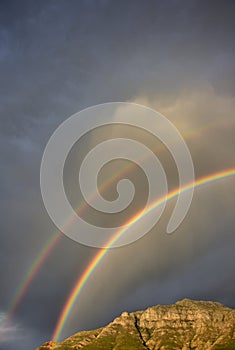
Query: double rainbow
point(134, 220)
point(34, 267)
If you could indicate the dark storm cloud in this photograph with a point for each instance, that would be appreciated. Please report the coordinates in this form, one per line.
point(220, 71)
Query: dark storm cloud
point(57, 57)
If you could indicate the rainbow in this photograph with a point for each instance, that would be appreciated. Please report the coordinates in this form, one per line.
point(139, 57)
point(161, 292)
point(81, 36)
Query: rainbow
point(41, 257)
point(98, 257)
point(27, 279)
point(37, 263)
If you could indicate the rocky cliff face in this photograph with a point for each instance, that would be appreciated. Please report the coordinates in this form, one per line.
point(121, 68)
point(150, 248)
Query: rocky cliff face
point(185, 325)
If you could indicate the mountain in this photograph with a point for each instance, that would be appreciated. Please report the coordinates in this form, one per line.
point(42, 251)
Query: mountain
point(187, 324)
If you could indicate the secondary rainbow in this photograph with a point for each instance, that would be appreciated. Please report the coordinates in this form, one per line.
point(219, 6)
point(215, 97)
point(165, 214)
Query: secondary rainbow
point(98, 257)
point(41, 257)
point(27, 279)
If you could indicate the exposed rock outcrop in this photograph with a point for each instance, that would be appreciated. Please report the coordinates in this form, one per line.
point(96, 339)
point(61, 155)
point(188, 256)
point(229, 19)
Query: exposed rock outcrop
point(186, 325)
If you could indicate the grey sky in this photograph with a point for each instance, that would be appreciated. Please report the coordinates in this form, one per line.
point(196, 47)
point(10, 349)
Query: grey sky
point(58, 57)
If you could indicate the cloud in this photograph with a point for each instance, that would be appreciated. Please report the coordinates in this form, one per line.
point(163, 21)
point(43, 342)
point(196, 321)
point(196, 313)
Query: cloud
point(9, 331)
point(59, 57)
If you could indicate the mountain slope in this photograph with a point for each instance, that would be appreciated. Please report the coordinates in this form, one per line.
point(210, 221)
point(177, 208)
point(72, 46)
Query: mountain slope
point(185, 325)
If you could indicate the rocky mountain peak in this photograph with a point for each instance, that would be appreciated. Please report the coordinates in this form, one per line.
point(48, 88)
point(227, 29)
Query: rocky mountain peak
point(185, 325)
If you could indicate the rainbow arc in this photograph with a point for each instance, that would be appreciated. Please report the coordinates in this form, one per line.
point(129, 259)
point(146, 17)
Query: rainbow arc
point(74, 294)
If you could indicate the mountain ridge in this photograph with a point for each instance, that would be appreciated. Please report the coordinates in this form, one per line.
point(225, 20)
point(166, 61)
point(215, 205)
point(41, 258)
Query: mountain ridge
point(187, 324)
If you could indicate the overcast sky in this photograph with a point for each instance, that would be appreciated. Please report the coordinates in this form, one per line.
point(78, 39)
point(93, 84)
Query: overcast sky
point(58, 57)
